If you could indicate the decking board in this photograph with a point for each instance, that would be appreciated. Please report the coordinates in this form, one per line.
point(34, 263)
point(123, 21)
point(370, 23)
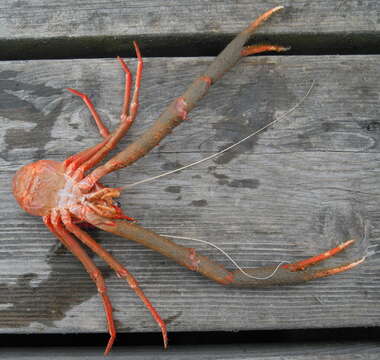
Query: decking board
point(300, 187)
point(305, 351)
point(44, 19)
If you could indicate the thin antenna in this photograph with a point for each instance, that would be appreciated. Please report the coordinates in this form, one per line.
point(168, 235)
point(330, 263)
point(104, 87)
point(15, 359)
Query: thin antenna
point(226, 149)
point(230, 258)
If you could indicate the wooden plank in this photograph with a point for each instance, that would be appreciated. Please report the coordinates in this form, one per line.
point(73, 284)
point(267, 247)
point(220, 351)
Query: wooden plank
point(307, 351)
point(301, 187)
point(45, 19)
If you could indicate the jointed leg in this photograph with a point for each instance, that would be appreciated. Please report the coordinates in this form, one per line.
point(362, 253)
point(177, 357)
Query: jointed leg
point(131, 109)
point(127, 91)
point(73, 162)
point(102, 128)
point(118, 268)
point(55, 225)
point(129, 113)
point(134, 106)
point(90, 157)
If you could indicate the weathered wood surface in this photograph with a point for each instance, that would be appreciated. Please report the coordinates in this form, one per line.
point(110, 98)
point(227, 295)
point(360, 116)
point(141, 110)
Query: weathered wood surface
point(301, 187)
point(306, 351)
point(46, 19)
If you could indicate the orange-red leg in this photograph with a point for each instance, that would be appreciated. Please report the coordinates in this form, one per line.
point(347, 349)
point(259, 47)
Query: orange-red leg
point(131, 109)
point(134, 106)
point(55, 225)
point(72, 163)
point(127, 90)
point(102, 128)
point(118, 268)
point(90, 157)
point(128, 115)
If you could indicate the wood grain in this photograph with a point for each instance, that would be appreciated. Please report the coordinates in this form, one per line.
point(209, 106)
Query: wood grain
point(301, 187)
point(306, 351)
point(43, 19)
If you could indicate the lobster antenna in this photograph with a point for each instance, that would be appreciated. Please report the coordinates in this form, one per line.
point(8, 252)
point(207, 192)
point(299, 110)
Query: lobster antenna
point(230, 258)
point(227, 148)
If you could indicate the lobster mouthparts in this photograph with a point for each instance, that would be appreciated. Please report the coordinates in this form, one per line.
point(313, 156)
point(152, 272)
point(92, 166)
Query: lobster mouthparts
point(45, 185)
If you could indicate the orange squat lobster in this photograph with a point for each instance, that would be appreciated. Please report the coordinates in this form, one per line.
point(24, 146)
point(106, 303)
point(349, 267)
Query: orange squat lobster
point(67, 194)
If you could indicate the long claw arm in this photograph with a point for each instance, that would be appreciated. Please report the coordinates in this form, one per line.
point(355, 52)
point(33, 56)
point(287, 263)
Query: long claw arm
point(178, 110)
point(188, 257)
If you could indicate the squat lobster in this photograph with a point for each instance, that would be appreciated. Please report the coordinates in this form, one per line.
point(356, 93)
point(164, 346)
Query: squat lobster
point(67, 194)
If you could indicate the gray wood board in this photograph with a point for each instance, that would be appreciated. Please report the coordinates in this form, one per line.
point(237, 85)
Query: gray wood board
point(274, 351)
point(47, 19)
point(299, 188)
